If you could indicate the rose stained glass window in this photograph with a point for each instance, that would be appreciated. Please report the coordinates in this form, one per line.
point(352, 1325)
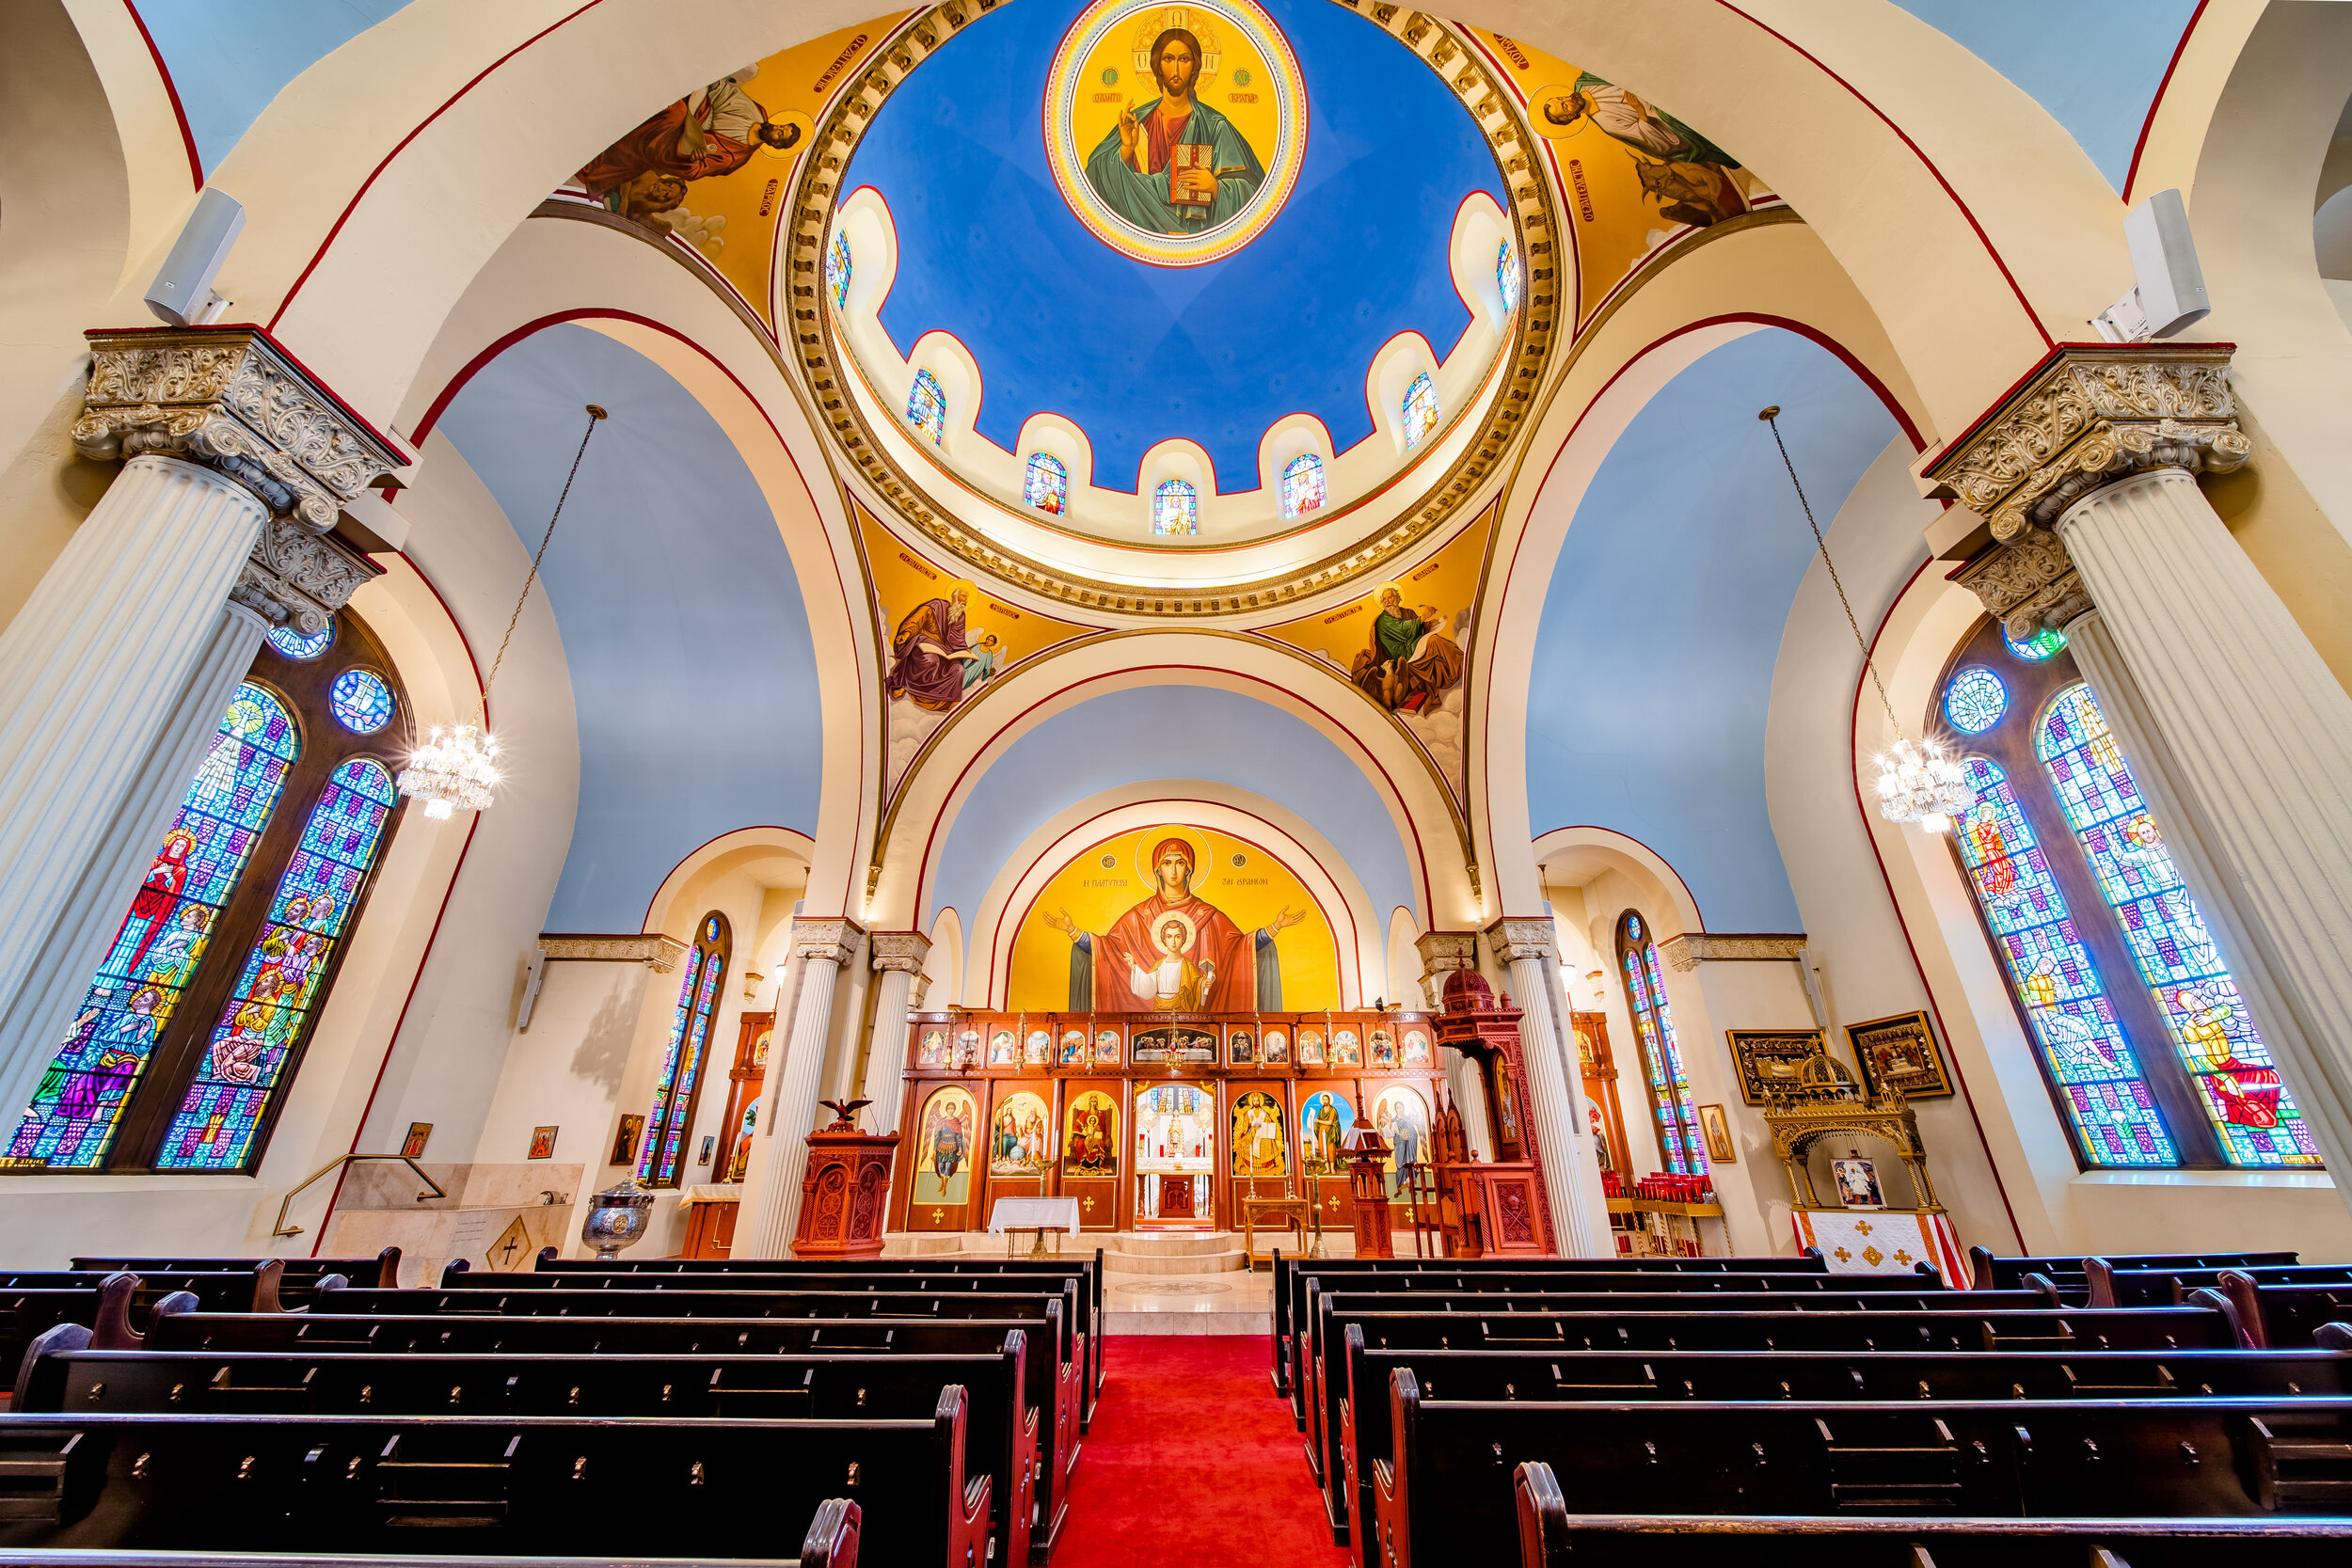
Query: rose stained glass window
point(1175, 507)
point(2040, 645)
point(1420, 409)
point(1045, 484)
point(361, 703)
point(682, 1059)
point(1302, 485)
point(80, 1101)
point(1679, 1144)
point(1508, 276)
point(2254, 1116)
point(837, 270)
point(299, 645)
point(1975, 700)
point(277, 990)
point(927, 406)
point(2106, 1098)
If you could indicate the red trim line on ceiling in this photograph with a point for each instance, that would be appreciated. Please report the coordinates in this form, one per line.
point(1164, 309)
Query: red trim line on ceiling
point(1681, 881)
point(171, 91)
point(2149, 124)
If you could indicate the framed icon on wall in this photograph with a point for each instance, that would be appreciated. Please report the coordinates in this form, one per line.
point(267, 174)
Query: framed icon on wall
point(1900, 1052)
point(1769, 1060)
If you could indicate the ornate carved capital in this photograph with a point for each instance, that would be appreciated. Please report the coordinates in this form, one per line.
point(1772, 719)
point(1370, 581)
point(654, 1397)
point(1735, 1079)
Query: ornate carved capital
point(2091, 414)
point(914, 997)
point(294, 576)
point(1443, 951)
point(230, 398)
point(1511, 939)
point(818, 940)
point(657, 951)
point(1693, 948)
point(906, 950)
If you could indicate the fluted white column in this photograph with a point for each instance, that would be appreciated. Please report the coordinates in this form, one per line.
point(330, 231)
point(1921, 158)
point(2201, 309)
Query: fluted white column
point(1580, 1213)
point(112, 679)
point(1441, 953)
point(900, 957)
point(787, 1112)
point(2256, 736)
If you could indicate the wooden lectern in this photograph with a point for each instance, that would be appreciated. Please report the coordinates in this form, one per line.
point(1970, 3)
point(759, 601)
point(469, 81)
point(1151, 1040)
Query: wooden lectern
point(1368, 1185)
point(1493, 1208)
point(844, 1199)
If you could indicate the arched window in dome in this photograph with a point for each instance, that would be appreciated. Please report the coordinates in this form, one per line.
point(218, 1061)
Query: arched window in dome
point(1175, 507)
point(1508, 276)
point(837, 270)
point(1420, 409)
point(927, 406)
point(2078, 897)
point(179, 1053)
point(1045, 484)
point(682, 1061)
point(1302, 485)
point(1674, 1117)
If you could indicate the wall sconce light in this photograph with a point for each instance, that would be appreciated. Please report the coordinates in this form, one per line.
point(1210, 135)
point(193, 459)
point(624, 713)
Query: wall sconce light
point(751, 977)
point(1600, 990)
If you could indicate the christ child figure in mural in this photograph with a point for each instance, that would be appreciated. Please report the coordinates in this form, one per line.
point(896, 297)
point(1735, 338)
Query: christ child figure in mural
point(1175, 951)
point(1178, 166)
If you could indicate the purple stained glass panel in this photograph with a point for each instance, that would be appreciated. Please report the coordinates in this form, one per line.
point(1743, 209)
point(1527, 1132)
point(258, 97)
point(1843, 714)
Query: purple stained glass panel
point(1679, 1142)
point(276, 992)
point(79, 1102)
point(2212, 1027)
point(667, 1128)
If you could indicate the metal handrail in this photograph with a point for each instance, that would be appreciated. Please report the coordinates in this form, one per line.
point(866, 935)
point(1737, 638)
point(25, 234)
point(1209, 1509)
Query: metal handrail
point(337, 1163)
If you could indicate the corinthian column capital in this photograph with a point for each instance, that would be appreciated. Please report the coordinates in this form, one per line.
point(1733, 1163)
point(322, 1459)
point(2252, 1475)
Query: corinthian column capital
point(826, 941)
point(2089, 416)
point(904, 950)
point(1511, 939)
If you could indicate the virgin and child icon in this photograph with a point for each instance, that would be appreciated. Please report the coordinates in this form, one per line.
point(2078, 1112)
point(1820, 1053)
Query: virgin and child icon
point(1174, 952)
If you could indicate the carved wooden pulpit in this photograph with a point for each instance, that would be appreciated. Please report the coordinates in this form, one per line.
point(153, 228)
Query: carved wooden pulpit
point(845, 1197)
point(1368, 1185)
point(1491, 1207)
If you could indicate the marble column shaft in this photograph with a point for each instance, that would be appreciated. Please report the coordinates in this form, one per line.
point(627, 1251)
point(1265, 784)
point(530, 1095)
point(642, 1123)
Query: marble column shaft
point(2256, 737)
point(787, 1112)
point(113, 677)
point(1580, 1216)
point(900, 956)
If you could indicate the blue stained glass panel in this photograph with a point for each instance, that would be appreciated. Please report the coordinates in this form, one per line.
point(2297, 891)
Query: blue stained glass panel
point(1302, 485)
point(2115, 1120)
point(837, 270)
point(1508, 276)
point(72, 1121)
point(298, 645)
point(1420, 409)
point(277, 990)
point(361, 703)
point(1678, 1141)
point(666, 1130)
point(1175, 508)
point(1046, 484)
point(2040, 645)
point(1975, 700)
point(2212, 1027)
point(927, 406)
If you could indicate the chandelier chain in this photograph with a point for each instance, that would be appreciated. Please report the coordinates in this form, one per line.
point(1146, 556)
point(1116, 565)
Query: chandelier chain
point(595, 417)
point(1771, 417)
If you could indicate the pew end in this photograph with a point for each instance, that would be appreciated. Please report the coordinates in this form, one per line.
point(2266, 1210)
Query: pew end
point(832, 1539)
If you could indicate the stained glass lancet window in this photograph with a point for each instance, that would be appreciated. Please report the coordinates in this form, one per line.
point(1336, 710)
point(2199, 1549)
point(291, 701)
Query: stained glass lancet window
point(1676, 1118)
point(1420, 409)
point(927, 406)
point(79, 1102)
point(1046, 484)
point(277, 990)
point(2101, 1089)
point(837, 270)
point(682, 1061)
point(2253, 1116)
point(1508, 276)
point(1302, 485)
point(1175, 507)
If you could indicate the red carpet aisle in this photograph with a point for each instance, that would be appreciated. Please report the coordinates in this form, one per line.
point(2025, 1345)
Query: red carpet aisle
point(1192, 1459)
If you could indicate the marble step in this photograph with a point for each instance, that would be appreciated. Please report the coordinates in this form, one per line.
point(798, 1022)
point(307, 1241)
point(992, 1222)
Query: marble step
point(1168, 1244)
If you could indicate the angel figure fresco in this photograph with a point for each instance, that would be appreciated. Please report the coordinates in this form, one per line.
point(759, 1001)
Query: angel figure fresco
point(1411, 661)
point(949, 1133)
point(1174, 951)
point(645, 175)
point(1688, 176)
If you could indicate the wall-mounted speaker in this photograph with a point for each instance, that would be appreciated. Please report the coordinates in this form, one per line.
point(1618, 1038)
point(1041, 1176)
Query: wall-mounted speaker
point(183, 291)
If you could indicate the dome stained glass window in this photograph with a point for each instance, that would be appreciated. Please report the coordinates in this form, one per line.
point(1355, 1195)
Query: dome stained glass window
point(1508, 276)
point(2040, 645)
point(1045, 484)
point(1420, 409)
point(1175, 508)
point(927, 406)
point(1975, 700)
point(837, 270)
point(298, 645)
point(362, 703)
point(1302, 485)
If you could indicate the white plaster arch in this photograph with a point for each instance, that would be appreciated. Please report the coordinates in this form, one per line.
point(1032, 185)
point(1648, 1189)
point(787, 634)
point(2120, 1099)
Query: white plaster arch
point(1404, 959)
point(778, 856)
point(945, 963)
point(1569, 857)
point(1220, 808)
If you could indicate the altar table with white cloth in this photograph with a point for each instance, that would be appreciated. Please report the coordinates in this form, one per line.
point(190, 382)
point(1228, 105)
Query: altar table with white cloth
point(1883, 1240)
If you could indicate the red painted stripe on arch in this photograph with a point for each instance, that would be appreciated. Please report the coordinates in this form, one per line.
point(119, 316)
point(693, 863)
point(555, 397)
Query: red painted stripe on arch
point(2131, 175)
point(171, 91)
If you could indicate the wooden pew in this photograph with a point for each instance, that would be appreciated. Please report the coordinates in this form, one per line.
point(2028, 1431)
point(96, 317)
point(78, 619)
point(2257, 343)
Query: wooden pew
point(1989, 1271)
point(2135, 1282)
point(1069, 1282)
point(1001, 1435)
point(675, 1324)
point(235, 1289)
point(1291, 1273)
point(505, 1486)
point(1552, 1537)
point(2277, 1317)
point(1445, 1497)
point(297, 1276)
point(104, 1309)
point(1722, 1377)
point(1090, 1267)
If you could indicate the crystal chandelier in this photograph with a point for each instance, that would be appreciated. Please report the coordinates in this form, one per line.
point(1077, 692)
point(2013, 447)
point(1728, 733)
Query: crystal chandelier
point(456, 768)
point(1917, 781)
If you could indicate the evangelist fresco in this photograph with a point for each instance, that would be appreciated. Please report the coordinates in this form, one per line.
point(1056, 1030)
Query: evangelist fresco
point(943, 1167)
point(1089, 1142)
point(1258, 1147)
point(1175, 919)
point(712, 171)
point(1637, 177)
point(945, 639)
point(1175, 133)
point(1405, 645)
